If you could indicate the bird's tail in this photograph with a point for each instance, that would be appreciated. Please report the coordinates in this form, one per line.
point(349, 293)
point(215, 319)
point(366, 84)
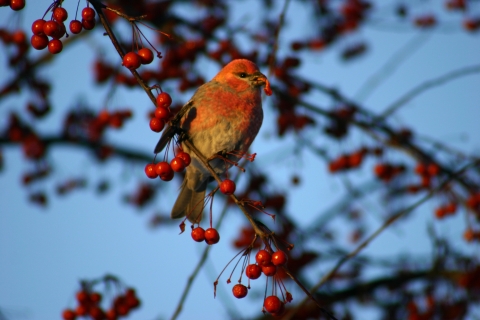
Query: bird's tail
point(189, 202)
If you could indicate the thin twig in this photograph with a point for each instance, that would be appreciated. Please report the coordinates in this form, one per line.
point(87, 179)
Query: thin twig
point(374, 235)
point(281, 20)
point(98, 8)
point(429, 84)
point(393, 63)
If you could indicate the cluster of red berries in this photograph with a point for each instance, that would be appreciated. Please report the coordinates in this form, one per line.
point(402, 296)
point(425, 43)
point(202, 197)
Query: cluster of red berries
point(267, 262)
point(55, 29)
point(445, 210)
point(89, 306)
point(162, 112)
point(210, 236)
point(133, 60)
point(15, 5)
point(387, 171)
point(163, 169)
point(473, 202)
point(427, 171)
point(166, 170)
point(470, 235)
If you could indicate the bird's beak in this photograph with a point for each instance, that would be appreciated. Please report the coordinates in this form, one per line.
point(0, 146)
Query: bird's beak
point(258, 79)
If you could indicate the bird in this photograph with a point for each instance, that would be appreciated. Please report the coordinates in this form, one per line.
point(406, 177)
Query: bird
point(223, 116)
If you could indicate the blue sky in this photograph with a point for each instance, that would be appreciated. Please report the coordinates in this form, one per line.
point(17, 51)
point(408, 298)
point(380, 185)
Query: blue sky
point(44, 252)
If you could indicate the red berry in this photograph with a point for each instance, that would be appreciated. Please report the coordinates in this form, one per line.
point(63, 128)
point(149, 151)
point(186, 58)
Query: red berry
point(88, 13)
point(82, 297)
point(60, 14)
point(269, 270)
point(95, 297)
point(156, 124)
point(68, 314)
point(88, 24)
point(198, 234)
point(263, 258)
point(281, 311)
point(150, 171)
point(17, 4)
point(131, 60)
point(51, 28)
point(111, 314)
point(239, 291)
point(4, 3)
point(39, 42)
point(185, 157)
point(211, 236)
point(253, 271)
point(81, 310)
point(279, 258)
point(227, 187)
point(96, 313)
point(164, 170)
point(37, 26)
point(146, 55)
point(162, 113)
point(272, 304)
point(76, 26)
point(61, 31)
point(19, 37)
point(177, 164)
point(164, 100)
point(55, 46)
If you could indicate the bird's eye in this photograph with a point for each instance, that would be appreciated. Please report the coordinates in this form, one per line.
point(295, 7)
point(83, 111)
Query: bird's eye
point(243, 75)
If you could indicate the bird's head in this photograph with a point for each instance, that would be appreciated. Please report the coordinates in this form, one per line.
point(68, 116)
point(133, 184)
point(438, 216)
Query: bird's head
point(241, 75)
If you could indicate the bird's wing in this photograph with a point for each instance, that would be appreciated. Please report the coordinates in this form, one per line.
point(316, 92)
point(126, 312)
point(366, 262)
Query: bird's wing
point(172, 127)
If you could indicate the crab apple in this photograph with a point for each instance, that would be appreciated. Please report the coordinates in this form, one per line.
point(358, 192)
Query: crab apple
point(185, 157)
point(239, 291)
point(51, 28)
point(150, 171)
point(211, 236)
point(17, 4)
point(76, 26)
point(269, 270)
point(19, 37)
point(263, 258)
point(55, 46)
point(37, 26)
point(164, 170)
point(164, 100)
point(146, 55)
point(272, 304)
point(4, 3)
point(95, 297)
point(253, 271)
point(131, 60)
point(82, 297)
point(111, 314)
point(88, 24)
point(96, 313)
point(156, 124)
point(68, 314)
point(281, 311)
point(198, 234)
point(227, 187)
point(162, 113)
point(177, 164)
point(279, 258)
point(60, 14)
point(39, 42)
point(88, 13)
point(61, 31)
